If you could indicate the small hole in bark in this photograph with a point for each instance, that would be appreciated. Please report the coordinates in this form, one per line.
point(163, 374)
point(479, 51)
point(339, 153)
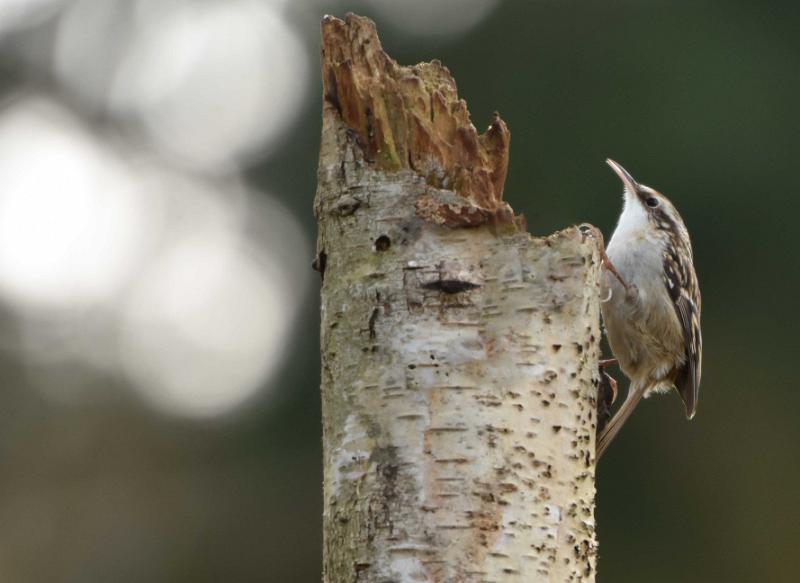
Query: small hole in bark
point(382, 243)
point(370, 131)
point(371, 325)
point(332, 96)
point(450, 286)
point(319, 263)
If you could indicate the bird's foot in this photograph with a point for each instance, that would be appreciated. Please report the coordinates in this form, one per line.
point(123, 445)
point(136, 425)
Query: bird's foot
point(629, 288)
point(606, 396)
point(597, 235)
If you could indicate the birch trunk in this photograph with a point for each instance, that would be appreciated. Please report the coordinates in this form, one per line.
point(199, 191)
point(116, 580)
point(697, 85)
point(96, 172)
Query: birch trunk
point(459, 354)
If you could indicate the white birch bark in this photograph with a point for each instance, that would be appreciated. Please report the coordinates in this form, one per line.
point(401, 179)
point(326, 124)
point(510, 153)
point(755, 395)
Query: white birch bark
point(459, 370)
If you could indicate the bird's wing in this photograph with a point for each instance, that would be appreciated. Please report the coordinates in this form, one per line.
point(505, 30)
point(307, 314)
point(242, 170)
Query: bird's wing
point(684, 291)
point(688, 381)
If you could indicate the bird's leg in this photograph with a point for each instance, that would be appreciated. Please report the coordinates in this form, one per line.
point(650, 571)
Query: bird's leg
point(612, 383)
point(604, 260)
point(606, 395)
point(611, 429)
point(610, 267)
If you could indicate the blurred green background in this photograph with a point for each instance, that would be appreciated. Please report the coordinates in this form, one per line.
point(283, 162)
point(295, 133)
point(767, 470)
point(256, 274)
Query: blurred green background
point(138, 442)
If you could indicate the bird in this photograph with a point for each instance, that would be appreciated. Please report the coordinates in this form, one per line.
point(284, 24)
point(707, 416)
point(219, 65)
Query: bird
point(651, 308)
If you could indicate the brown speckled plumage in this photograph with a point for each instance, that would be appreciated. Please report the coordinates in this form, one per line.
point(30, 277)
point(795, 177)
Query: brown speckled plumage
point(653, 322)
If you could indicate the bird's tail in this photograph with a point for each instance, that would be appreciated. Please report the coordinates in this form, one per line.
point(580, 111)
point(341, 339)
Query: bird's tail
point(610, 431)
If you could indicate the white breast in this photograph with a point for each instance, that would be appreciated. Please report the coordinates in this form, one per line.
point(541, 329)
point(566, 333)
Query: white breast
point(642, 330)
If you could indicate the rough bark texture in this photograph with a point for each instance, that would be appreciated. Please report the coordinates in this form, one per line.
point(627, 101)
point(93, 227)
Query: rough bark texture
point(459, 354)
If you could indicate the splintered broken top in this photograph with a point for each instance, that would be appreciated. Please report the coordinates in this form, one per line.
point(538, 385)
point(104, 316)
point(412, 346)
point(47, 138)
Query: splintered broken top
point(410, 117)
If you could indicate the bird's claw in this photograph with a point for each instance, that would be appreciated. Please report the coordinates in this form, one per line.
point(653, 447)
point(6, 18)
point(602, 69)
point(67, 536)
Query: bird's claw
point(590, 230)
point(612, 382)
point(606, 396)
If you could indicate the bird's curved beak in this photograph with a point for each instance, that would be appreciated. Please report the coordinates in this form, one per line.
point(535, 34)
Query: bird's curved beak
point(630, 184)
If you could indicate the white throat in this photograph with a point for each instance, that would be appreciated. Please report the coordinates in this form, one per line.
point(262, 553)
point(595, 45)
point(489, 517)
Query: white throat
point(633, 220)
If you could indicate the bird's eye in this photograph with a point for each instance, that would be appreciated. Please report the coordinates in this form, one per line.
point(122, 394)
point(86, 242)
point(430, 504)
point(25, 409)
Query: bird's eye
point(651, 202)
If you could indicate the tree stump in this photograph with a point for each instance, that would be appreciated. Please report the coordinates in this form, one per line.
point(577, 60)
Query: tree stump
point(459, 354)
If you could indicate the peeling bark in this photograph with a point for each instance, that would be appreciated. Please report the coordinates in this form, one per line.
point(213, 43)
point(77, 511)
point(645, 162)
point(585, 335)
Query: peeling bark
point(459, 354)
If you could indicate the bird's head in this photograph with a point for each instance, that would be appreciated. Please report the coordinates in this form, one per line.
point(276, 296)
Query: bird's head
point(645, 205)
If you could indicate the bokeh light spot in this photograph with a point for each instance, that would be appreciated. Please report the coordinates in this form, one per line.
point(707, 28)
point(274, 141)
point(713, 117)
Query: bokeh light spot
point(71, 222)
point(433, 18)
point(209, 321)
point(16, 14)
point(212, 82)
